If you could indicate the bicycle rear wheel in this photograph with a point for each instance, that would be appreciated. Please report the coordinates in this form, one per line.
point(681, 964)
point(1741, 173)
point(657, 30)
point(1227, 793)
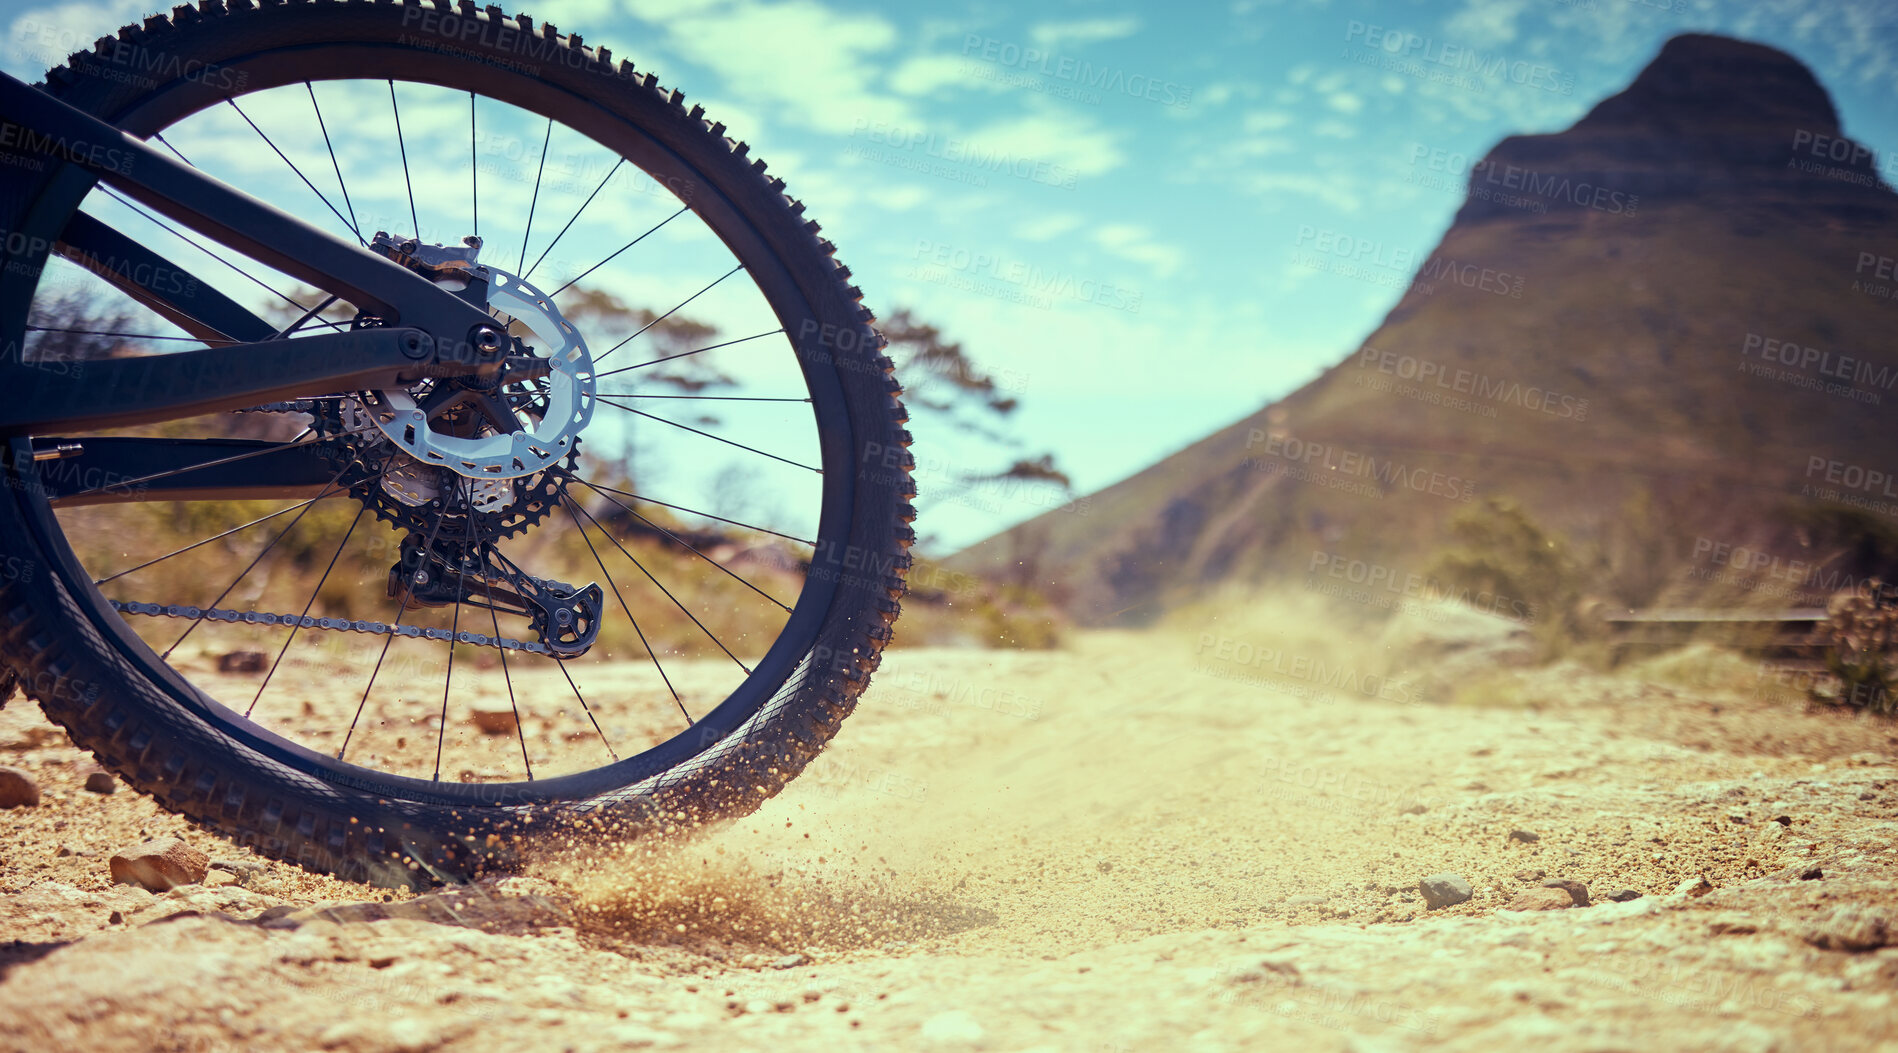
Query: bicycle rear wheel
point(732, 641)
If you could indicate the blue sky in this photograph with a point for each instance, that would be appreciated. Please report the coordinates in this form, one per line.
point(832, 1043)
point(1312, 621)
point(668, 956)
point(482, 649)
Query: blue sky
point(1114, 205)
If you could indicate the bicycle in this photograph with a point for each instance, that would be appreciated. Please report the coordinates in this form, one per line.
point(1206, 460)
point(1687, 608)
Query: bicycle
point(444, 411)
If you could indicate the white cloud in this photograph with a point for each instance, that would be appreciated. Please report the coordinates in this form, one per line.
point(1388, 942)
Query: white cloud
point(926, 75)
point(1486, 23)
point(812, 65)
point(1060, 138)
point(1048, 227)
point(1133, 242)
point(1344, 102)
point(1079, 33)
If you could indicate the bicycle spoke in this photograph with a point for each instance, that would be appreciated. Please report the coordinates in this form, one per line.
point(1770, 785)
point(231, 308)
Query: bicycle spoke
point(675, 600)
point(576, 216)
point(167, 144)
point(200, 247)
point(128, 336)
point(588, 710)
point(252, 565)
point(354, 227)
point(474, 166)
point(454, 632)
point(694, 511)
point(311, 602)
point(709, 435)
point(535, 200)
point(126, 484)
point(684, 354)
point(682, 211)
point(520, 726)
point(206, 541)
point(669, 314)
point(713, 398)
point(643, 642)
point(286, 160)
point(403, 147)
point(401, 609)
point(688, 545)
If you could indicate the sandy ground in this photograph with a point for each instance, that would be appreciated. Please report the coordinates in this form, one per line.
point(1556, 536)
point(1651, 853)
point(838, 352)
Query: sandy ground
point(1130, 843)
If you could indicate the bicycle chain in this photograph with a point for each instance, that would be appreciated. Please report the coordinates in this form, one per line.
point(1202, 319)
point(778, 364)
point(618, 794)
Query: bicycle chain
point(304, 621)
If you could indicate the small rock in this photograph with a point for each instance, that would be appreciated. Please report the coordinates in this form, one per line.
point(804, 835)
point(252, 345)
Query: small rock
point(1626, 895)
point(495, 719)
point(954, 1026)
point(1528, 876)
point(1783, 820)
point(160, 865)
point(243, 868)
point(1104, 866)
point(1737, 817)
point(102, 782)
point(243, 662)
point(1415, 809)
point(1811, 874)
point(220, 878)
point(1853, 929)
point(17, 789)
point(1694, 887)
point(789, 961)
point(1576, 890)
point(1525, 836)
point(1542, 899)
point(1444, 890)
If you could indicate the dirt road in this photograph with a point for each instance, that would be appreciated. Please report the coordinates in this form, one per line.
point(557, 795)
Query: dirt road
point(1156, 841)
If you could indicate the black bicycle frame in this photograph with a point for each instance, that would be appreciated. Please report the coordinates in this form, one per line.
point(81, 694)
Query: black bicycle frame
point(422, 330)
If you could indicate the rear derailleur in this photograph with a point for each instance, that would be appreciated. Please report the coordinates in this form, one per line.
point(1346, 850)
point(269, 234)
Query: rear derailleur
point(566, 618)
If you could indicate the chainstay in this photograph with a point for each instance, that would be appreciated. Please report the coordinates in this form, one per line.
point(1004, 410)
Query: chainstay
point(304, 621)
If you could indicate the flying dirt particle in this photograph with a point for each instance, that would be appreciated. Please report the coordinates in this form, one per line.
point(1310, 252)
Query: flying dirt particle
point(1104, 866)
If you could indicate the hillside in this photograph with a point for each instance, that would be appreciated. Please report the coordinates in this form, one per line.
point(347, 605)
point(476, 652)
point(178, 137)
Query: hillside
point(1665, 332)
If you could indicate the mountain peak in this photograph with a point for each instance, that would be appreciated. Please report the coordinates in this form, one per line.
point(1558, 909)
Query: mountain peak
point(1701, 84)
point(1710, 117)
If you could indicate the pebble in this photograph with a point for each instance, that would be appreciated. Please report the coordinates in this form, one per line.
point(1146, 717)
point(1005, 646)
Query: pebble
point(102, 782)
point(1444, 890)
point(1528, 876)
point(1525, 836)
point(1694, 887)
point(243, 662)
point(1811, 874)
point(1576, 890)
point(1853, 929)
point(160, 865)
point(1626, 895)
point(1542, 899)
point(789, 961)
point(495, 718)
point(17, 789)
